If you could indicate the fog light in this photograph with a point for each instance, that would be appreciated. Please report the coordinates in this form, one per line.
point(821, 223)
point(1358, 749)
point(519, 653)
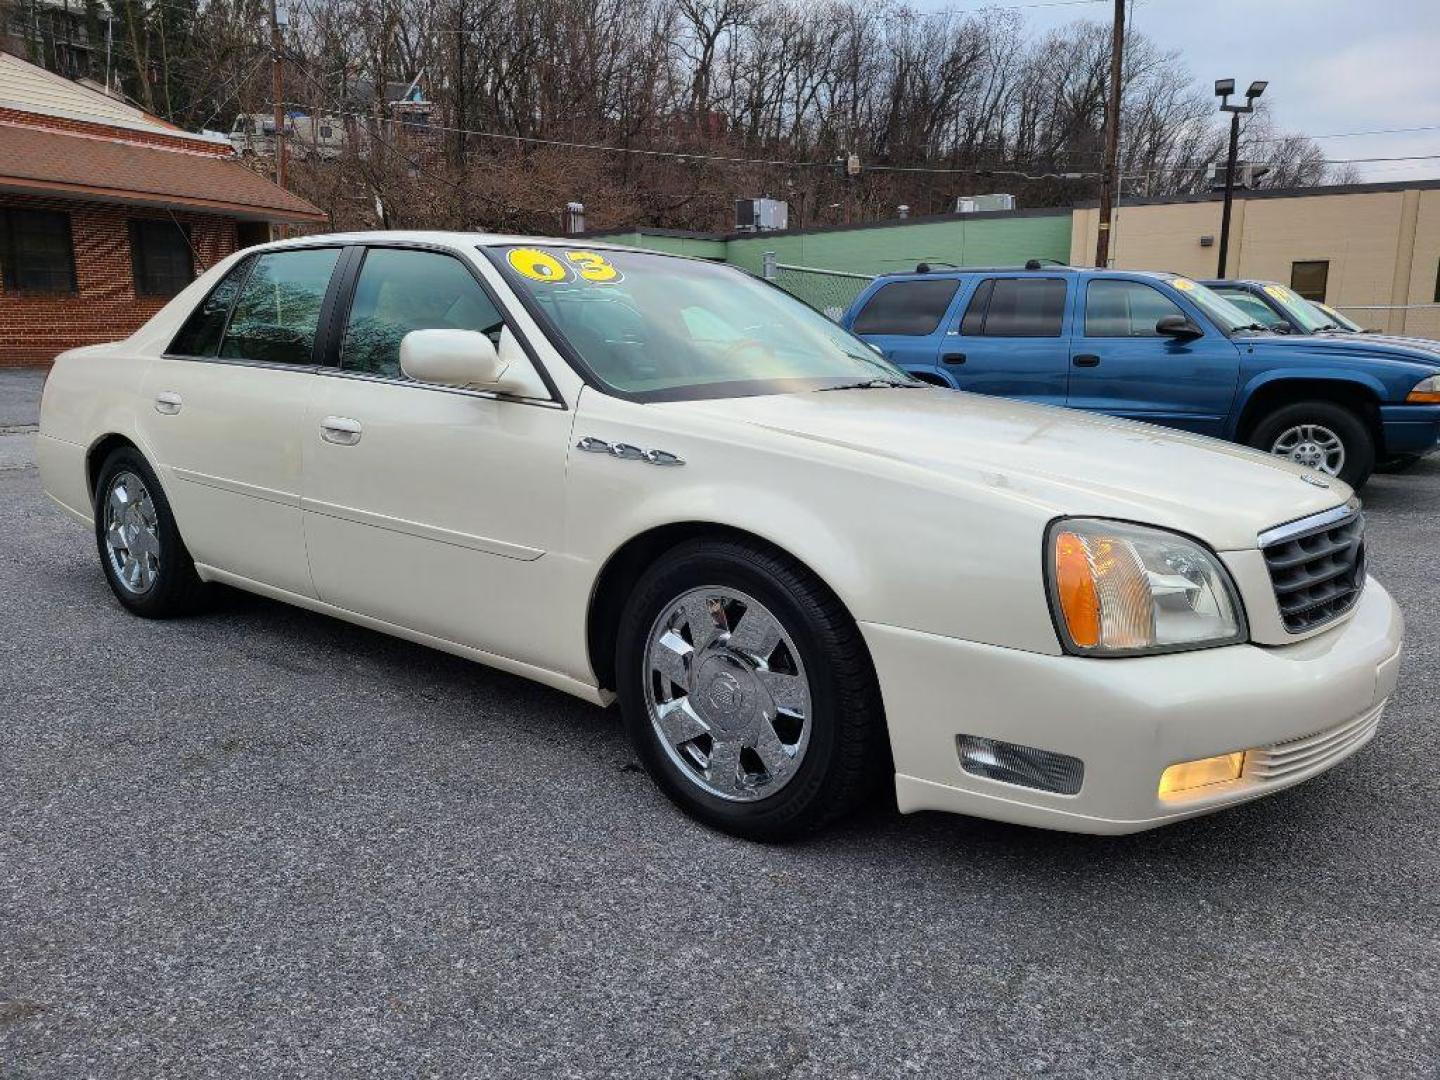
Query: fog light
point(1022, 765)
point(1189, 775)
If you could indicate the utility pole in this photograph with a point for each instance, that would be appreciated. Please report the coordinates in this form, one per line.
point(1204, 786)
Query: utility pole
point(1109, 182)
point(277, 89)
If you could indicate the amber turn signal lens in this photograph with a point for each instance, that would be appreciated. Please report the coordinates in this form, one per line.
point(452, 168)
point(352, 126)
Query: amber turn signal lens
point(1189, 775)
point(1075, 585)
point(1425, 392)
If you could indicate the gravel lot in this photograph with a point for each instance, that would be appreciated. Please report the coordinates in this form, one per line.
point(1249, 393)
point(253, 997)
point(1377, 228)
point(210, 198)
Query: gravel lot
point(265, 843)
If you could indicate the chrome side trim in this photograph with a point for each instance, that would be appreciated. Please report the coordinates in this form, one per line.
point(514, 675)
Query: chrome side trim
point(1280, 533)
point(424, 532)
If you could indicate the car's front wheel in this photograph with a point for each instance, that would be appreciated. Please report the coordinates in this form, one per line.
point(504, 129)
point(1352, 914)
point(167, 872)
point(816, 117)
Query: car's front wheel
point(748, 692)
point(144, 559)
point(1320, 435)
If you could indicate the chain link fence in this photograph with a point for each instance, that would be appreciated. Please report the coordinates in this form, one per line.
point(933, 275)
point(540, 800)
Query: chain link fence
point(830, 292)
point(1417, 320)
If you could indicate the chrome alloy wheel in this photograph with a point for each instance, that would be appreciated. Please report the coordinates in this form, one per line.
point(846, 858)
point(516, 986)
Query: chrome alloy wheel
point(1313, 446)
point(727, 693)
point(132, 535)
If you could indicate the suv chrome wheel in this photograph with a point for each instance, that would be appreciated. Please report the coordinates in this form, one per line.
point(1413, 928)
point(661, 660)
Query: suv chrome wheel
point(1312, 445)
point(727, 693)
point(132, 533)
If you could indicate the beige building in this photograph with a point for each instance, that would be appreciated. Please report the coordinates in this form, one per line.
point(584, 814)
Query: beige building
point(1367, 249)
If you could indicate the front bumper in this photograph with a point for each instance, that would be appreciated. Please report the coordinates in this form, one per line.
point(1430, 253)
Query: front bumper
point(1309, 705)
point(1410, 430)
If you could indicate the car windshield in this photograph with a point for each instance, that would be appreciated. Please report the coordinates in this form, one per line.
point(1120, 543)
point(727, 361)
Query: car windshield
point(1307, 315)
point(1220, 311)
point(666, 328)
point(1342, 322)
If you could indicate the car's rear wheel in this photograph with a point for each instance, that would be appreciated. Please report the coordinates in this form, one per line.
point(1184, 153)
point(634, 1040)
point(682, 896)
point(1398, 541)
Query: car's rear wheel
point(1320, 435)
point(141, 552)
point(748, 692)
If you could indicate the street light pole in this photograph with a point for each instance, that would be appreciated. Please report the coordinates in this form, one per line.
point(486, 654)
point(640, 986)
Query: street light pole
point(1229, 192)
point(1223, 89)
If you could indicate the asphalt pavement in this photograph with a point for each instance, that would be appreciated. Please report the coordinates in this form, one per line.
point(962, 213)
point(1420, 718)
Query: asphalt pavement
point(263, 843)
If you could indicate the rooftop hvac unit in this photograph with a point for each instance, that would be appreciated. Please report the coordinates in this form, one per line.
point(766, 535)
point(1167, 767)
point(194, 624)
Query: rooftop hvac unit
point(761, 215)
point(980, 204)
point(1246, 176)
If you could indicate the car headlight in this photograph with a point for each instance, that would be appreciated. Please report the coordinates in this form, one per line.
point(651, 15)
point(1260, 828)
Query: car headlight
point(1125, 590)
point(1426, 392)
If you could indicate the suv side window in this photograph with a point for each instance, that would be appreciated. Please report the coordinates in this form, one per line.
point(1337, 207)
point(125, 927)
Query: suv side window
point(200, 336)
point(1126, 309)
point(1016, 307)
point(402, 289)
point(278, 311)
point(907, 308)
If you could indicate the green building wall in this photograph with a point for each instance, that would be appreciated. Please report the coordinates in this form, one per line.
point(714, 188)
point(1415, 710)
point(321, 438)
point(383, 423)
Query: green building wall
point(1002, 239)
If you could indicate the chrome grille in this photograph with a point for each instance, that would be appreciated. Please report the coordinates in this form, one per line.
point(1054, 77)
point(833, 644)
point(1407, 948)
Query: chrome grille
point(1297, 755)
point(1317, 566)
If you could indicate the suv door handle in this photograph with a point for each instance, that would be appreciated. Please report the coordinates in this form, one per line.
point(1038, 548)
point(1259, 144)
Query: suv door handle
point(953, 358)
point(1086, 360)
point(168, 403)
point(340, 430)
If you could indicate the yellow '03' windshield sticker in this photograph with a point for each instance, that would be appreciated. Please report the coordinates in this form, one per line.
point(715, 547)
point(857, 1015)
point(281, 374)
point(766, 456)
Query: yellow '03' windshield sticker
point(1279, 292)
point(1182, 283)
point(560, 265)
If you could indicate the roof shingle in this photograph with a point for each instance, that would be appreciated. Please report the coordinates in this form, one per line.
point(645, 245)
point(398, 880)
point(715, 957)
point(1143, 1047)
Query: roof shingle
point(44, 162)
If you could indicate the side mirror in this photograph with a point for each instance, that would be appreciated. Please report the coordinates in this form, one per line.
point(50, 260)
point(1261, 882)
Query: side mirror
point(457, 358)
point(1177, 326)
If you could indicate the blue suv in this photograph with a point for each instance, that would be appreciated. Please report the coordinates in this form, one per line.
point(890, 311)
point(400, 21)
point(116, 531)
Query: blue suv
point(1160, 348)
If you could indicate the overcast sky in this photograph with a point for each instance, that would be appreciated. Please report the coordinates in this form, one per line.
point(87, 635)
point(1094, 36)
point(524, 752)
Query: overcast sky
point(1333, 65)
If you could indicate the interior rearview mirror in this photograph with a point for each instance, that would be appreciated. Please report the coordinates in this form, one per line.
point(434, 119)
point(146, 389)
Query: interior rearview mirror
point(465, 358)
point(1177, 326)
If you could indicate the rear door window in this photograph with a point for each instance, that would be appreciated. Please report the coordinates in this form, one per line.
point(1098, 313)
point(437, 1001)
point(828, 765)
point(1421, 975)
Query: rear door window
point(278, 311)
point(1016, 307)
point(200, 336)
point(907, 308)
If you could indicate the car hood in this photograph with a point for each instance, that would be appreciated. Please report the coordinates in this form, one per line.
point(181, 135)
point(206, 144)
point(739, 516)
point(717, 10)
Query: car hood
point(1067, 461)
point(1372, 347)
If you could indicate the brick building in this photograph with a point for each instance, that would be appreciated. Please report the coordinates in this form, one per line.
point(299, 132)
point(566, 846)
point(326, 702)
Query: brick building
point(106, 212)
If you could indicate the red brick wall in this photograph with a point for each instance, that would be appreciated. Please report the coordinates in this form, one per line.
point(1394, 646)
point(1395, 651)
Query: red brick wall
point(35, 327)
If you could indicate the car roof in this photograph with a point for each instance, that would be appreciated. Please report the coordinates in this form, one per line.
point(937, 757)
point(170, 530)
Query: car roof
point(1058, 268)
point(441, 238)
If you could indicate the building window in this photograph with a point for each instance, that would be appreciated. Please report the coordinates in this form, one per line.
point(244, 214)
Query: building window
point(1309, 278)
point(161, 258)
point(1437, 283)
point(35, 251)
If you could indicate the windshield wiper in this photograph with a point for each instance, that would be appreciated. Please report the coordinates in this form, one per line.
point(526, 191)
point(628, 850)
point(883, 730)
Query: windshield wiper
point(875, 384)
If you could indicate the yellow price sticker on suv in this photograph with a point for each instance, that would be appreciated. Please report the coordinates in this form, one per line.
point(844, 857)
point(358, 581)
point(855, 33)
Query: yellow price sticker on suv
point(537, 265)
point(1183, 284)
point(1279, 292)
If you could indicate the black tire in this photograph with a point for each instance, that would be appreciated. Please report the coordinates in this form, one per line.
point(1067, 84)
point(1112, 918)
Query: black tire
point(176, 589)
point(848, 749)
point(1348, 426)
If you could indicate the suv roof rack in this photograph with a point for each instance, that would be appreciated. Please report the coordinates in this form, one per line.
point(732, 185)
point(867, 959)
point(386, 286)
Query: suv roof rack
point(1030, 264)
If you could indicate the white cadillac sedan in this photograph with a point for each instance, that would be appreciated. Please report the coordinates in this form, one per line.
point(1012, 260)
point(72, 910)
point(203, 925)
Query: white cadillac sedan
point(638, 476)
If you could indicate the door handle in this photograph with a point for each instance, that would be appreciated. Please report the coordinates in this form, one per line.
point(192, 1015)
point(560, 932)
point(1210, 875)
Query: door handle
point(340, 430)
point(1086, 360)
point(953, 358)
point(168, 403)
